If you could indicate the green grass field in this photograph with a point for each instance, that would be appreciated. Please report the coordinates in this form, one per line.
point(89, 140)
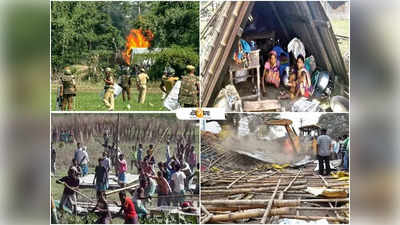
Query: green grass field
point(90, 100)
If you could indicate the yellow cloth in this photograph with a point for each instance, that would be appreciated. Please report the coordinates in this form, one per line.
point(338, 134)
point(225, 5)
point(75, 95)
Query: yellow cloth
point(109, 99)
point(169, 83)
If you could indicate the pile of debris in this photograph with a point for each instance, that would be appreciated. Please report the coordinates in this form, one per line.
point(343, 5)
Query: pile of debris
point(268, 193)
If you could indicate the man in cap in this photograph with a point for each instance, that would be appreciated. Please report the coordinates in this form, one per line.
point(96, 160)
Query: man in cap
point(67, 90)
point(169, 80)
point(189, 91)
point(109, 90)
point(125, 83)
point(141, 82)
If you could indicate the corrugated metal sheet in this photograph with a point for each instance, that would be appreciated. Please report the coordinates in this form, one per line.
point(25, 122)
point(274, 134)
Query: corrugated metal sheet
point(306, 20)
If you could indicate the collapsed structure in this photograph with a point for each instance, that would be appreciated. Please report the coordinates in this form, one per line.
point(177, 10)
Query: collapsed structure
point(268, 24)
point(240, 186)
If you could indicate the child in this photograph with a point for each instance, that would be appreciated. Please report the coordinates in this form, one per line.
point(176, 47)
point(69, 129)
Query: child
point(303, 87)
point(122, 167)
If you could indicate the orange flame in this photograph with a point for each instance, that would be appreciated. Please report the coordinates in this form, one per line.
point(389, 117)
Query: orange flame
point(136, 39)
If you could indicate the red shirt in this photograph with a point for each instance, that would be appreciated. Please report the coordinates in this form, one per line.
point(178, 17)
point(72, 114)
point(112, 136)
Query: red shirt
point(129, 209)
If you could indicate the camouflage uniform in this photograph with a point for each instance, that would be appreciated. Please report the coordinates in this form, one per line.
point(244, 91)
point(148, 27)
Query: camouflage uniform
point(189, 93)
point(68, 90)
point(141, 84)
point(126, 85)
point(109, 91)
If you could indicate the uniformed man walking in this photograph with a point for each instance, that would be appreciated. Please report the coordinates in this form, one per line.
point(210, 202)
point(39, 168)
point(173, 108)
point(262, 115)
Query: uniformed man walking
point(189, 92)
point(109, 90)
point(67, 90)
point(141, 82)
point(126, 83)
point(169, 81)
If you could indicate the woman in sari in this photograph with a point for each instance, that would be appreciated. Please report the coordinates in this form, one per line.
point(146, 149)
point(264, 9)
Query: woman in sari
point(271, 71)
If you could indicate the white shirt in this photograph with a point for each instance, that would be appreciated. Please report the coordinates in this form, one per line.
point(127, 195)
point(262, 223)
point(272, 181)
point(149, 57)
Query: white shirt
point(179, 181)
point(106, 163)
point(78, 155)
point(86, 156)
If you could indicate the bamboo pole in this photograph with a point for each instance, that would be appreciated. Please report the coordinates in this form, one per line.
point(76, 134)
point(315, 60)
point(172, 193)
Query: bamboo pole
point(237, 179)
point(247, 190)
point(252, 213)
point(262, 203)
point(207, 218)
point(330, 219)
point(267, 211)
point(262, 177)
point(276, 203)
point(253, 185)
point(326, 183)
point(78, 192)
point(121, 189)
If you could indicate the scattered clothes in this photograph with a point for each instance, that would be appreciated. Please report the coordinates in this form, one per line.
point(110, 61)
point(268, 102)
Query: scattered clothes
point(241, 56)
point(327, 192)
point(310, 64)
point(296, 221)
point(213, 127)
point(303, 105)
point(229, 99)
point(297, 47)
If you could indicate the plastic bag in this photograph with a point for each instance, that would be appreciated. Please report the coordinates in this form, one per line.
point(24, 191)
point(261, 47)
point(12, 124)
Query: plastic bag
point(171, 101)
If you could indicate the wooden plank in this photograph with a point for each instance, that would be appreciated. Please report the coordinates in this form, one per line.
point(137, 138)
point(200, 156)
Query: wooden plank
point(260, 106)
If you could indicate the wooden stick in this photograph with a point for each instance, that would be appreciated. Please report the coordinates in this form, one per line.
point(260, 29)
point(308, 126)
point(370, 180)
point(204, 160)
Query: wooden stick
point(237, 179)
point(252, 213)
point(121, 189)
point(330, 219)
point(326, 183)
point(267, 211)
point(265, 176)
point(76, 191)
point(252, 185)
point(247, 190)
point(262, 203)
point(204, 209)
point(207, 218)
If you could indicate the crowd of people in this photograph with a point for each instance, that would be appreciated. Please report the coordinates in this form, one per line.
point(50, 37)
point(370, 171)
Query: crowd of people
point(328, 148)
point(188, 91)
point(171, 180)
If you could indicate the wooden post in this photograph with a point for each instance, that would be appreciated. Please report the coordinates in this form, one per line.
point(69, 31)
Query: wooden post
point(258, 84)
point(267, 211)
point(237, 179)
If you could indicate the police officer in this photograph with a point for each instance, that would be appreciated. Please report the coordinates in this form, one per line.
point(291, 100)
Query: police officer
point(169, 80)
point(67, 90)
point(189, 92)
point(125, 83)
point(141, 82)
point(109, 90)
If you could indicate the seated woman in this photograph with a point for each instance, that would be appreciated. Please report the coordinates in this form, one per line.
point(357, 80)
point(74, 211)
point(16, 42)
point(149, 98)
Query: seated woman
point(271, 71)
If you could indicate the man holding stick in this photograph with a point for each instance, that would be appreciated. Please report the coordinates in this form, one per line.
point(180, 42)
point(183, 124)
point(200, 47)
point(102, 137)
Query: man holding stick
point(71, 183)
